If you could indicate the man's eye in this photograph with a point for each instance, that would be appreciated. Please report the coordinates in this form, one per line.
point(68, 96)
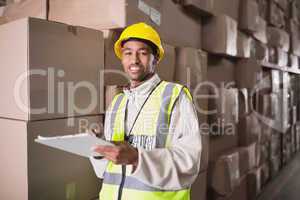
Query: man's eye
point(144, 53)
point(127, 53)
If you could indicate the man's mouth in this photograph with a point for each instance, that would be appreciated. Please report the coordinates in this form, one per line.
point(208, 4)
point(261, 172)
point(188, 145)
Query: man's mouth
point(134, 68)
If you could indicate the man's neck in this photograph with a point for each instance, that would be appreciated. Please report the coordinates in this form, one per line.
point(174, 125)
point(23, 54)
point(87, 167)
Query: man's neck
point(134, 84)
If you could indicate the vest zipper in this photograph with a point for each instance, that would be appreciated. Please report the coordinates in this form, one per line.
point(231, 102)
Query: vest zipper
point(122, 182)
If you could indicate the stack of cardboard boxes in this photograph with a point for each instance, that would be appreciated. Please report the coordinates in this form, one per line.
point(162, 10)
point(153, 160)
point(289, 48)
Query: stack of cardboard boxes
point(248, 114)
point(50, 87)
point(60, 78)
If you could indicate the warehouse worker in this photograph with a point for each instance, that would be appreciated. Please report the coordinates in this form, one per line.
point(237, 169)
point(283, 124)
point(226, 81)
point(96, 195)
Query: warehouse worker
point(154, 126)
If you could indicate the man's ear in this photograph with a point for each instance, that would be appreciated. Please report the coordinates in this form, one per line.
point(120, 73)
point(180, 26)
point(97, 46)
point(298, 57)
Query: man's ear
point(155, 61)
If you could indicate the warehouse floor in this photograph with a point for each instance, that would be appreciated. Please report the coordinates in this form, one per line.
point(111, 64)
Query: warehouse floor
point(286, 185)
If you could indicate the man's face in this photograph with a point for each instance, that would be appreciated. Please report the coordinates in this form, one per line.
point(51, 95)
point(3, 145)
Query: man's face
point(137, 60)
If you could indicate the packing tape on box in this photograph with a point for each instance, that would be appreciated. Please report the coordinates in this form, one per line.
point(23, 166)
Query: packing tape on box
point(154, 14)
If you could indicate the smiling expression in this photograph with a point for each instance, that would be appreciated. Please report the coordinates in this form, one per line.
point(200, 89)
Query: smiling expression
point(137, 60)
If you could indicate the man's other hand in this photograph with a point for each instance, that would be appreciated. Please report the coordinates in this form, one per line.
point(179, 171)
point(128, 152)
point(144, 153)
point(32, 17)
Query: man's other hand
point(121, 154)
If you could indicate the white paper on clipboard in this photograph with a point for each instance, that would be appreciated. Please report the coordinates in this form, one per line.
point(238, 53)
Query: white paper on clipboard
point(79, 144)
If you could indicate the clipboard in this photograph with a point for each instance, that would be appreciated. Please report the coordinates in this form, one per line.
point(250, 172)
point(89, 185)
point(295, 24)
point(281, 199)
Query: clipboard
point(79, 144)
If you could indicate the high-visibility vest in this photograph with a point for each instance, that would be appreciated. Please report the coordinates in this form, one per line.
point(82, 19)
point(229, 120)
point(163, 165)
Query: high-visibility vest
point(149, 131)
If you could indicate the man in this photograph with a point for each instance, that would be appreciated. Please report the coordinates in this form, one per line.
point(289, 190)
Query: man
point(154, 126)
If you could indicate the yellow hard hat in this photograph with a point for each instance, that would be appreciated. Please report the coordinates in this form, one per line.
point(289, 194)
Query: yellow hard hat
point(140, 31)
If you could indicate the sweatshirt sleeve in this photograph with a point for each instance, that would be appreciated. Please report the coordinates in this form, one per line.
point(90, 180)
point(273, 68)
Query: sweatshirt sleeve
point(177, 166)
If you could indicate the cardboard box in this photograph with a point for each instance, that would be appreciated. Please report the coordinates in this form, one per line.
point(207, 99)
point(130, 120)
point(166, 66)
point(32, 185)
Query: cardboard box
point(86, 13)
point(294, 12)
point(283, 4)
point(220, 35)
point(261, 34)
point(293, 115)
point(220, 71)
point(106, 15)
point(293, 61)
point(219, 145)
point(203, 7)
point(243, 45)
point(249, 130)
point(275, 166)
point(278, 57)
point(12, 1)
point(231, 9)
point(276, 15)
point(54, 70)
point(191, 71)
point(266, 132)
point(166, 67)
point(224, 108)
point(275, 81)
point(190, 67)
point(35, 171)
point(278, 38)
point(169, 28)
point(271, 109)
point(244, 102)
point(211, 7)
point(286, 87)
point(256, 179)
point(201, 105)
point(262, 152)
point(2, 10)
point(263, 8)
point(254, 183)
point(239, 192)
point(247, 73)
point(205, 152)
point(224, 176)
point(159, 14)
point(249, 16)
point(295, 37)
point(297, 127)
point(22, 9)
point(286, 83)
point(275, 147)
point(265, 173)
point(247, 158)
point(287, 153)
point(294, 140)
point(199, 187)
point(259, 51)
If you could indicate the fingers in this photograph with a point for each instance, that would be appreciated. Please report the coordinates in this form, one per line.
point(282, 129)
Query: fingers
point(100, 148)
point(109, 152)
point(122, 153)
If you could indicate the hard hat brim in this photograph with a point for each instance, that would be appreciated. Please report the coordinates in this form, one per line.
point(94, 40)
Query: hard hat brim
point(118, 48)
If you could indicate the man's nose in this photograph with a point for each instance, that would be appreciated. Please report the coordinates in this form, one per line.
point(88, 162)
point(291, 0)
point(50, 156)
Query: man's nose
point(135, 58)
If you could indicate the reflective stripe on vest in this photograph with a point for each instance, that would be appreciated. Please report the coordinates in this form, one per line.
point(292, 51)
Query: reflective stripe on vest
point(150, 131)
